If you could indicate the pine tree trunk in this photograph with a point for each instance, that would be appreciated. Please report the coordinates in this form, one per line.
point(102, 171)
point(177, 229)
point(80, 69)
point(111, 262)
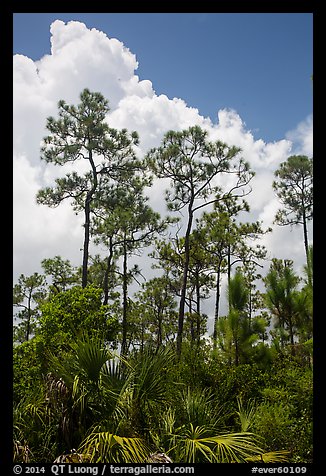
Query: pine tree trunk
point(229, 272)
point(87, 211)
point(184, 280)
point(107, 273)
point(198, 308)
point(29, 314)
point(125, 301)
point(86, 241)
point(217, 304)
point(306, 246)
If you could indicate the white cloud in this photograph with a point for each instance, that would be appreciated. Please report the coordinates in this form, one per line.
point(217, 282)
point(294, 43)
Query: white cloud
point(302, 137)
point(231, 129)
point(30, 109)
point(40, 232)
point(82, 57)
point(153, 116)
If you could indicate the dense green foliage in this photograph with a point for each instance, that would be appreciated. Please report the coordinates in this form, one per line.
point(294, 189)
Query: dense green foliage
point(114, 366)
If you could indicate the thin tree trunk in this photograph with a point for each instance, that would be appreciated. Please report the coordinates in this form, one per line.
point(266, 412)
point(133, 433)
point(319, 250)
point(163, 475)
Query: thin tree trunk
point(29, 314)
point(306, 246)
point(229, 272)
point(87, 211)
point(291, 335)
point(86, 241)
point(250, 305)
point(107, 273)
point(184, 280)
point(217, 304)
point(198, 308)
point(125, 301)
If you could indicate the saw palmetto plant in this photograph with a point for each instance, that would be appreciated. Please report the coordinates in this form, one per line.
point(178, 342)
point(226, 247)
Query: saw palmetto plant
point(98, 408)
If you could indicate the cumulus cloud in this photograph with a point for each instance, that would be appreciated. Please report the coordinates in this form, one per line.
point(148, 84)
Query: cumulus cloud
point(39, 231)
point(82, 57)
point(302, 137)
point(153, 116)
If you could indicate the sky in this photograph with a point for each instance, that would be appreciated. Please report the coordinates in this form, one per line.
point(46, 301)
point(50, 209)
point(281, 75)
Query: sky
point(245, 78)
point(258, 64)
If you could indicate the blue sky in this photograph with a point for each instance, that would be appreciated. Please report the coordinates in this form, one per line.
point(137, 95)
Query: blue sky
point(259, 64)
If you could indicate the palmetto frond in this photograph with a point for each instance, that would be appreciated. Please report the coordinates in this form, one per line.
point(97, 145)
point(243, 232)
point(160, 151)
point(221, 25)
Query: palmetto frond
point(195, 444)
point(148, 375)
point(108, 447)
point(246, 414)
point(91, 356)
point(201, 408)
